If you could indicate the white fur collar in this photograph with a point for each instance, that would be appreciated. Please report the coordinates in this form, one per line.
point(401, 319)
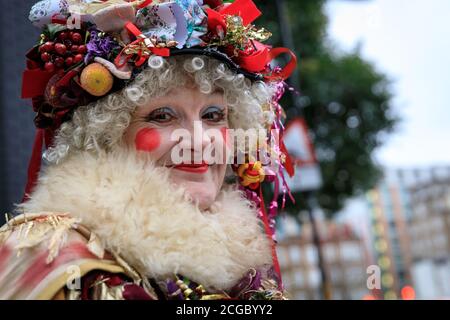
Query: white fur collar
point(135, 211)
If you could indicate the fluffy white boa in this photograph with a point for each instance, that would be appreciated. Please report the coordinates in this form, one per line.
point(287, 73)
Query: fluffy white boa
point(136, 211)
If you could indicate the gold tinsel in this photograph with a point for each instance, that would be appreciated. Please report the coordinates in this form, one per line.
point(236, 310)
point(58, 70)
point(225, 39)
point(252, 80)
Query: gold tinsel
point(239, 35)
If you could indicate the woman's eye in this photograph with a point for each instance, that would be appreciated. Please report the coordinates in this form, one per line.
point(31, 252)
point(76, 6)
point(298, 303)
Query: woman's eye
point(214, 114)
point(161, 115)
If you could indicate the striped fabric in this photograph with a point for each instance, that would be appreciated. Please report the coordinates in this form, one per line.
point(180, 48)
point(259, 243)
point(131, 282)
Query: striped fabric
point(42, 253)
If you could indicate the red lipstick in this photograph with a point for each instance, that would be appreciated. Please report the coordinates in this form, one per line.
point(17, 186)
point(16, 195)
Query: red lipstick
point(194, 168)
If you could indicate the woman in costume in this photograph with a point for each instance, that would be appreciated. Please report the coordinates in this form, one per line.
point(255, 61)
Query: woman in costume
point(143, 191)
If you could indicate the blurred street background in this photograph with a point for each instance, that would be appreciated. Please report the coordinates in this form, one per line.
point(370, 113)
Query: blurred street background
point(367, 127)
point(369, 134)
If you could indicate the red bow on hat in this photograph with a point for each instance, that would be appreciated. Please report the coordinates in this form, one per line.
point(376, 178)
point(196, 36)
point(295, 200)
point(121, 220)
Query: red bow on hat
point(143, 48)
point(258, 59)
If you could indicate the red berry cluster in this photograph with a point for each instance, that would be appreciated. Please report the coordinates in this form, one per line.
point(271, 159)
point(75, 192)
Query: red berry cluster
point(66, 50)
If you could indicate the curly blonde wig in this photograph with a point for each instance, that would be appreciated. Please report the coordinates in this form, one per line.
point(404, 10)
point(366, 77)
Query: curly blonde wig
point(100, 126)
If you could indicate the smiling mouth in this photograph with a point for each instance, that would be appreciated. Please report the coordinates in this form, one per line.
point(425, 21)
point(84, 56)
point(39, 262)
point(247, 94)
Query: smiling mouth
point(193, 168)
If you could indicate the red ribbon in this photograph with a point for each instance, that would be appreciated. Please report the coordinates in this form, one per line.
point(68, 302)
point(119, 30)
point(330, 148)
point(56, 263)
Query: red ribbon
point(57, 20)
point(269, 234)
point(43, 138)
point(262, 56)
point(144, 4)
point(215, 19)
point(245, 9)
point(256, 61)
point(122, 58)
point(32, 88)
point(34, 82)
point(34, 164)
point(288, 68)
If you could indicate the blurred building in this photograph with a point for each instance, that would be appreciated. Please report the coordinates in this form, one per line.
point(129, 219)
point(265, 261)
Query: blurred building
point(389, 215)
point(345, 259)
point(430, 236)
point(401, 227)
point(410, 227)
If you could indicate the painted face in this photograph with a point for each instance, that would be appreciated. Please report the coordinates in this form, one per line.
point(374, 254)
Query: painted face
point(178, 131)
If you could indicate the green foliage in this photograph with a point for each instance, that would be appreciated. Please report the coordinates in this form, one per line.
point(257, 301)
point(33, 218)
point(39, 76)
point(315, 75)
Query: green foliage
point(345, 101)
point(50, 30)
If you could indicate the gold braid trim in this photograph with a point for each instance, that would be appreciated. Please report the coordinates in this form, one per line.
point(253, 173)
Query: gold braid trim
point(35, 228)
point(85, 267)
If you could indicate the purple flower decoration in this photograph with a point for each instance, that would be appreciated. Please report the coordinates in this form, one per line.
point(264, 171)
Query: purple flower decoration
point(100, 45)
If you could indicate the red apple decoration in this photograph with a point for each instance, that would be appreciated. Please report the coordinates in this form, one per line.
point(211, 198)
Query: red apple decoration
point(45, 56)
point(76, 37)
point(49, 66)
point(60, 49)
point(78, 58)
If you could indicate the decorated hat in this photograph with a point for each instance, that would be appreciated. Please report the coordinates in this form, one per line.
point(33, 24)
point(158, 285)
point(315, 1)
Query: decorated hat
point(90, 48)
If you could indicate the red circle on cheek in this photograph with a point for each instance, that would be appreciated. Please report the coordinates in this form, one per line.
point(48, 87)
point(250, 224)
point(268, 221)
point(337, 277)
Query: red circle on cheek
point(147, 139)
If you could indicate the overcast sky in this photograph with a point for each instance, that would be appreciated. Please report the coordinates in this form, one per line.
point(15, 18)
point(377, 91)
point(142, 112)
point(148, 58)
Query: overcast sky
point(410, 41)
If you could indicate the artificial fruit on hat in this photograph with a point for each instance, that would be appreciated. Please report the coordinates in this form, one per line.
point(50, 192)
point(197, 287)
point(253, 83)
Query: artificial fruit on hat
point(96, 79)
